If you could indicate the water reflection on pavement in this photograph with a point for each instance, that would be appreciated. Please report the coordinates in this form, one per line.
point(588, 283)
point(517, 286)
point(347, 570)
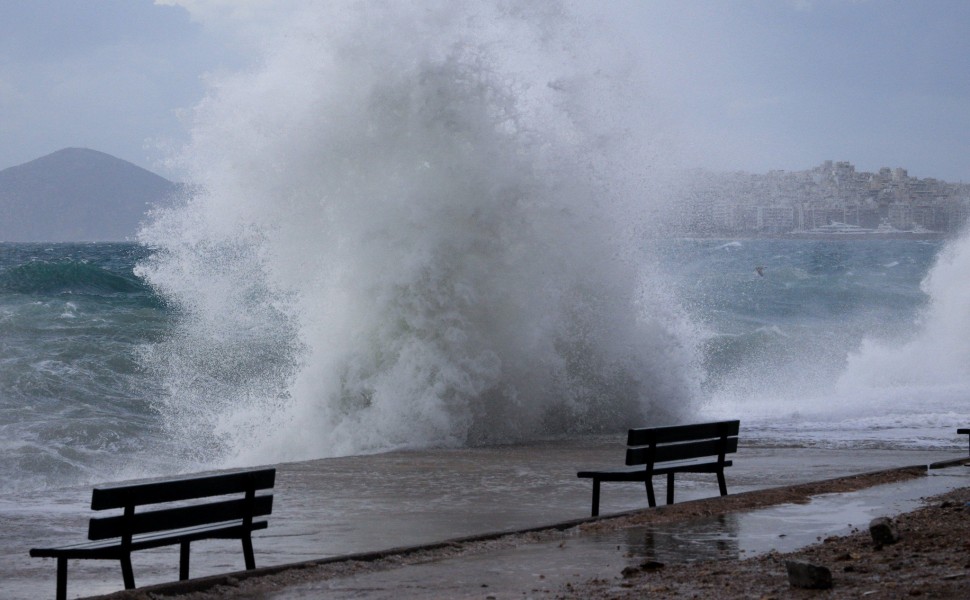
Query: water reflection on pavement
point(539, 569)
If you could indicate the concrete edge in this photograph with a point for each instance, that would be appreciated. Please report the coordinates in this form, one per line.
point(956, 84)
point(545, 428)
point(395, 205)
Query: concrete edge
point(953, 462)
point(203, 584)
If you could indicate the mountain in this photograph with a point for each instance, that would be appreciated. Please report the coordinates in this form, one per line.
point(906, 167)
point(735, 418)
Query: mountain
point(77, 195)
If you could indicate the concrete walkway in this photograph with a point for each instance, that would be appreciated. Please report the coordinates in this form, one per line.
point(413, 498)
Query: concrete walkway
point(536, 563)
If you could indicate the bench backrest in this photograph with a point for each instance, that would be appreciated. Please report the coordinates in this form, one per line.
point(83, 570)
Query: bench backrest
point(682, 442)
point(245, 483)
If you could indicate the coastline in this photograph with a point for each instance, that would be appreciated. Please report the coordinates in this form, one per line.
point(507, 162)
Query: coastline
point(331, 577)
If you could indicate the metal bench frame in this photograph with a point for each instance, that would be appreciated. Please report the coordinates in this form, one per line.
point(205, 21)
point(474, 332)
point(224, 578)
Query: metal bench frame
point(116, 537)
point(697, 448)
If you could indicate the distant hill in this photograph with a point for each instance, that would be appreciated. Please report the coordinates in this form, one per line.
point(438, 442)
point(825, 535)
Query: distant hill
point(77, 195)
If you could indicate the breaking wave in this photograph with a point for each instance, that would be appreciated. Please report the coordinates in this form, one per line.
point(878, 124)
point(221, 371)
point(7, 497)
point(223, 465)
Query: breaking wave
point(415, 226)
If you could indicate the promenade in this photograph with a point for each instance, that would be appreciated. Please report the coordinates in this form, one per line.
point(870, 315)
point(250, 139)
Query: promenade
point(332, 508)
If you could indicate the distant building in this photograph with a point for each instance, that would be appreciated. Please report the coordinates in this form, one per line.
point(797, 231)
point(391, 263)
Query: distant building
point(782, 202)
point(901, 216)
point(776, 219)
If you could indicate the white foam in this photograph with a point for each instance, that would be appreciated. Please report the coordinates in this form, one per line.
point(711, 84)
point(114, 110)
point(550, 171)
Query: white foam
point(419, 226)
point(928, 374)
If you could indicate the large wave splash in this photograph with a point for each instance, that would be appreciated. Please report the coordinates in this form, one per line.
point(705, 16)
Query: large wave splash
point(928, 371)
point(419, 225)
point(884, 366)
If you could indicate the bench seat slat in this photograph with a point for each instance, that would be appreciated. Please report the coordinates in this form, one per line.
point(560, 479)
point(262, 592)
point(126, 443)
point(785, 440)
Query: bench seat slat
point(183, 489)
point(100, 528)
point(641, 474)
point(113, 549)
point(681, 451)
point(681, 433)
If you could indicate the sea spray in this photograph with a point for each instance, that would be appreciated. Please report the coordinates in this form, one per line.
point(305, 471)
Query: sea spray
point(837, 343)
point(917, 384)
point(932, 363)
point(413, 226)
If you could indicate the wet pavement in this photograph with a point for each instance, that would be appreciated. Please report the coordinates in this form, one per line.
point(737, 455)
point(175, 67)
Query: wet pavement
point(539, 569)
point(335, 507)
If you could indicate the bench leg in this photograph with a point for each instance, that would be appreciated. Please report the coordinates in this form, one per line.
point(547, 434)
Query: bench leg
point(596, 497)
point(670, 488)
point(61, 578)
point(651, 499)
point(247, 544)
point(721, 483)
point(184, 561)
point(127, 573)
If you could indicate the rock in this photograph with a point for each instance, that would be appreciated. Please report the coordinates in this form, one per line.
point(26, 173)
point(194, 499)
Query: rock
point(630, 572)
point(808, 576)
point(650, 565)
point(883, 531)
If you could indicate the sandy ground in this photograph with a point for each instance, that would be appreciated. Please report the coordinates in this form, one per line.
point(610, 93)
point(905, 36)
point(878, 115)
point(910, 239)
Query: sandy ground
point(932, 558)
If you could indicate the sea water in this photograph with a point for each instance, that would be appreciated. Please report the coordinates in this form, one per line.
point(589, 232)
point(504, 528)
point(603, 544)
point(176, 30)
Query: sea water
point(829, 347)
point(74, 402)
point(836, 343)
point(438, 225)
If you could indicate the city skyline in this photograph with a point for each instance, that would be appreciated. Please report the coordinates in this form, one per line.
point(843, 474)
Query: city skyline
point(889, 200)
point(832, 193)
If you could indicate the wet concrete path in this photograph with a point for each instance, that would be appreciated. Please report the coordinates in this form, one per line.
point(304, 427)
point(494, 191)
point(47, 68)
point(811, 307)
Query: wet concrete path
point(340, 506)
point(538, 569)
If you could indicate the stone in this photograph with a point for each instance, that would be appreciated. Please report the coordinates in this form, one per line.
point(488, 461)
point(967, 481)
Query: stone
point(883, 531)
point(650, 565)
point(808, 576)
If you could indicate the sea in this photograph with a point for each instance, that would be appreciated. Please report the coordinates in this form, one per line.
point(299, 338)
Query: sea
point(815, 343)
point(424, 265)
point(838, 357)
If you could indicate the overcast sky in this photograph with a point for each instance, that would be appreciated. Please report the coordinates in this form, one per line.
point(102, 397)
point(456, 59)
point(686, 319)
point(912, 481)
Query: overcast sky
point(747, 85)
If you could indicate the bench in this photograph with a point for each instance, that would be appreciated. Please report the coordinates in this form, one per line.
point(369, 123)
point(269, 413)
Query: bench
point(177, 522)
point(698, 448)
point(963, 431)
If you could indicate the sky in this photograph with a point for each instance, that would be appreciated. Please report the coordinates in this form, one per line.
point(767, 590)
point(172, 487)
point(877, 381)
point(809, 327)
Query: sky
point(749, 85)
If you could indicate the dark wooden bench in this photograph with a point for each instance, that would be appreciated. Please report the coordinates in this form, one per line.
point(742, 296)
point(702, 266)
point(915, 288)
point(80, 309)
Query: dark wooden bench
point(963, 431)
point(698, 448)
point(189, 519)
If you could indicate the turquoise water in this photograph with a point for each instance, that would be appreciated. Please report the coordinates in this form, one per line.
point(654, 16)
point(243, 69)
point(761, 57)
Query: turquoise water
point(813, 304)
point(81, 397)
point(833, 343)
point(75, 402)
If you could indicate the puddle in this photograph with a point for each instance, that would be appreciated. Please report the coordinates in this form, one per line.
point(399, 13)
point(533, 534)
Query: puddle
point(539, 569)
point(780, 528)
